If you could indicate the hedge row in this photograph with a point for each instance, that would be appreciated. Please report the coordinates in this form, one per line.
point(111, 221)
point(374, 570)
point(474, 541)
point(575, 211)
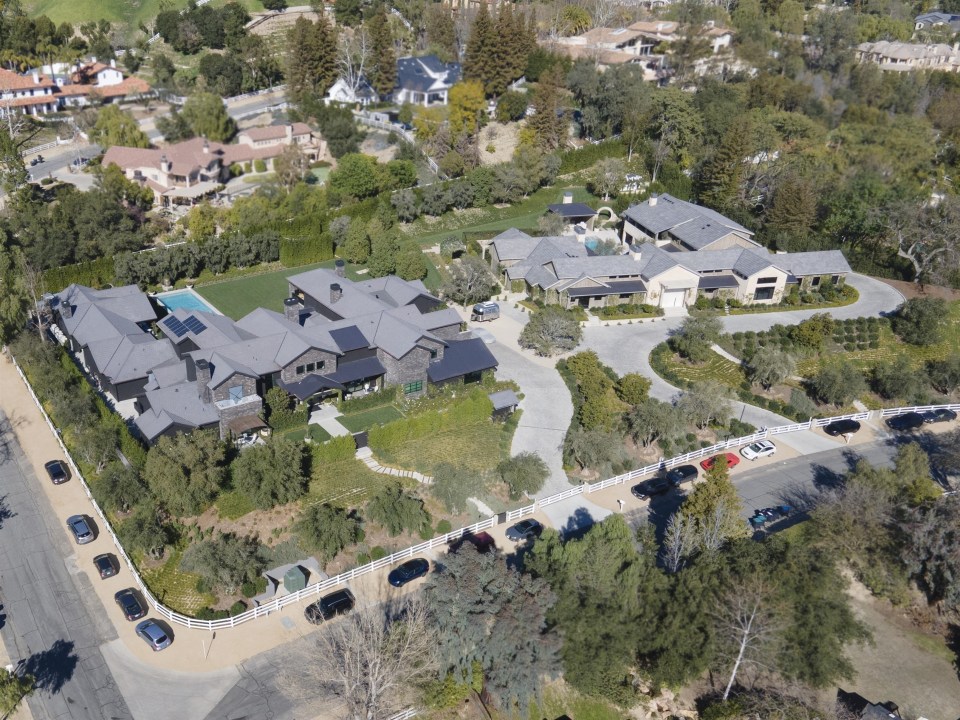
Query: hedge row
point(335, 450)
point(303, 251)
point(588, 155)
point(374, 400)
point(95, 273)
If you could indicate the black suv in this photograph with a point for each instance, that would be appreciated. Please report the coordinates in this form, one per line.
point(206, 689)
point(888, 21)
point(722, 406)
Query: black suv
point(841, 427)
point(130, 604)
point(329, 606)
point(58, 471)
point(682, 474)
point(907, 421)
point(939, 415)
point(649, 488)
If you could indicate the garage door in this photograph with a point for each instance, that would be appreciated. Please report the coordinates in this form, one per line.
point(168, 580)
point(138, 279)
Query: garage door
point(672, 298)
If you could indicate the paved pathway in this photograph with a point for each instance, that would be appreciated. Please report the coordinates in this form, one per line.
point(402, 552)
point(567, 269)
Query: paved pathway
point(365, 455)
point(326, 417)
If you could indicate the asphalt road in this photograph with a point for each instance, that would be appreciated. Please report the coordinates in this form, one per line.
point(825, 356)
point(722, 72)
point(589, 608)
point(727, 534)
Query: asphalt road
point(48, 623)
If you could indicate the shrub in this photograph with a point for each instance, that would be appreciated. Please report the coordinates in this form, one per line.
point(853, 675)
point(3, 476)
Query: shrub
point(238, 607)
point(377, 553)
point(443, 527)
point(251, 588)
point(523, 473)
point(849, 346)
point(259, 166)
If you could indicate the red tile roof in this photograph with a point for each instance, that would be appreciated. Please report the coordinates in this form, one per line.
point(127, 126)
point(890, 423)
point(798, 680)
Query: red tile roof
point(14, 81)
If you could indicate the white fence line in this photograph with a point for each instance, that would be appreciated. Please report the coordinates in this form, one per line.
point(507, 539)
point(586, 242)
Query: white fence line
point(442, 541)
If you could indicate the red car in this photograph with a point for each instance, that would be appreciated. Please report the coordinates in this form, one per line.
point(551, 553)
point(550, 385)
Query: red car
point(732, 461)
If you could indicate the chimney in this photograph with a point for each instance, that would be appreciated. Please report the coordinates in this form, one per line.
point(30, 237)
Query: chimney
point(113, 63)
point(36, 78)
point(567, 198)
point(93, 60)
point(291, 309)
point(338, 268)
point(66, 310)
point(206, 147)
point(289, 128)
point(652, 201)
point(165, 165)
point(336, 292)
point(202, 368)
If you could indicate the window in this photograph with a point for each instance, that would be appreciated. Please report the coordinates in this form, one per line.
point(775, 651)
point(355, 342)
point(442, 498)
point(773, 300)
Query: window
point(433, 354)
point(815, 281)
point(236, 393)
point(311, 367)
point(763, 294)
point(301, 369)
point(835, 279)
point(767, 281)
point(320, 364)
point(413, 387)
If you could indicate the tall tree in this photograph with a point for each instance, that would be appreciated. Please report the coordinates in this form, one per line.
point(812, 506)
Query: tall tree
point(311, 59)
point(383, 73)
point(481, 47)
point(549, 121)
point(467, 108)
point(116, 127)
point(208, 117)
point(746, 627)
point(442, 32)
point(14, 296)
point(714, 508)
point(721, 175)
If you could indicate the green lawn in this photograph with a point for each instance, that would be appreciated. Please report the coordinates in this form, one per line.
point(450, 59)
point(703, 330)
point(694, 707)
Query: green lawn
point(314, 432)
point(176, 589)
point(360, 421)
point(234, 504)
point(523, 215)
point(473, 446)
point(121, 12)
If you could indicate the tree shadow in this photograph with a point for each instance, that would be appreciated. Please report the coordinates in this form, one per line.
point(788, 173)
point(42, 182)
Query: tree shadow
point(5, 512)
point(52, 668)
point(953, 642)
point(577, 525)
point(661, 509)
point(825, 478)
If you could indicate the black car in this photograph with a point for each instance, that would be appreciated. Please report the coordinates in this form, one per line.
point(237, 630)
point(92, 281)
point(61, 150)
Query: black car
point(329, 606)
point(58, 471)
point(649, 488)
point(841, 427)
point(106, 565)
point(528, 529)
point(907, 421)
point(130, 604)
point(941, 415)
point(682, 474)
point(410, 570)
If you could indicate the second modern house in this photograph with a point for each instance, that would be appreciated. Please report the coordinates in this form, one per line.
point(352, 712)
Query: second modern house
point(193, 369)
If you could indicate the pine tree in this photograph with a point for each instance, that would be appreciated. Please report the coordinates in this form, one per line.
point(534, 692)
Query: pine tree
point(502, 61)
point(325, 43)
point(442, 32)
point(793, 211)
point(481, 47)
point(548, 122)
point(383, 78)
point(721, 175)
point(312, 60)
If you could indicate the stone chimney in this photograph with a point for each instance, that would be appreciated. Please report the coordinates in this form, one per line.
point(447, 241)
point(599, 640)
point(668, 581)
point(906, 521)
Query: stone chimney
point(203, 378)
point(291, 309)
point(206, 147)
point(289, 128)
point(165, 165)
point(66, 310)
point(336, 292)
point(338, 268)
point(36, 78)
point(113, 63)
point(652, 201)
point(568, 198)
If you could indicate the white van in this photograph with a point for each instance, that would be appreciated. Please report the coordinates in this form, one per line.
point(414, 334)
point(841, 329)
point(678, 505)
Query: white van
point(485, 311)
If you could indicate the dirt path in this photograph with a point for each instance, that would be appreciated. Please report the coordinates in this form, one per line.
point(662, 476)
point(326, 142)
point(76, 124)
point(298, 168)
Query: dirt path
point(912, 290)
point(903, 665)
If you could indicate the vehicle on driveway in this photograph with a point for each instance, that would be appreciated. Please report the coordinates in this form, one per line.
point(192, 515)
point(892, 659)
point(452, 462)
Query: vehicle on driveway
point(58, 471)
point(682, 474)
point(841, 427)
point(106, 565)
point(649, 488)
point(329, 606)
point(130, 604)
point(907, 421)
point(408, 571)
point(759, 449)
point(941, 415)
point(82, 532)
point(732, 461)
point(154, 635)
point(525, 530)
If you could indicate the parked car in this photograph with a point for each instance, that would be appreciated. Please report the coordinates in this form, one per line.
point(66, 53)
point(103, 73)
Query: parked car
point(759, 449)
point(649, 488)
point(130, 604)
point(82, 532)
point(482, 541)
point(907, 421)
point(682, 474)
point(58, 471)
point(154, 635)
point(329, 606)
point(408, 571)
point(941, 415)
point(732, 461)
point(106, 565)
point(841, 427)
point(528, 529)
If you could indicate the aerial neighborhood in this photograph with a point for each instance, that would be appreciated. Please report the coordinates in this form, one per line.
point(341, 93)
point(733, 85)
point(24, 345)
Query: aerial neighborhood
point(478, 360)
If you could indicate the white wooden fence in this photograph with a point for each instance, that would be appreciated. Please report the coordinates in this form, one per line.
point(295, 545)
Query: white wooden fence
point(443, 540)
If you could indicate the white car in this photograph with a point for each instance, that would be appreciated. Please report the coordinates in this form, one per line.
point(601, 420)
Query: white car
point(759, 449)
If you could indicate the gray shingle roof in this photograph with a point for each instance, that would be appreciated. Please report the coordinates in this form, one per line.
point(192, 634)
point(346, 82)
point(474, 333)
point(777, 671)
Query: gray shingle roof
point(695, 225)
point(179, 404)
point(818, 262)
point(127, 301)
point(570, 210)
point(425, 73)
point(132, 357)
point(462, 357)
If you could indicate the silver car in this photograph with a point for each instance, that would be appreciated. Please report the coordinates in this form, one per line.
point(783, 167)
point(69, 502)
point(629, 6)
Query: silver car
point(154, 635)
point(82, 532)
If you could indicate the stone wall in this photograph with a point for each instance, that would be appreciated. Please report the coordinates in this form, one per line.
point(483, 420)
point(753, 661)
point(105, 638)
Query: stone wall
point(244, 409)
point(408, 369)
point(289, 373)
point(222, 391)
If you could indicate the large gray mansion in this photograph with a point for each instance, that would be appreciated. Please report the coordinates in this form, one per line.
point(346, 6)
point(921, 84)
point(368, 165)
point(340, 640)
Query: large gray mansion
point(191, 369)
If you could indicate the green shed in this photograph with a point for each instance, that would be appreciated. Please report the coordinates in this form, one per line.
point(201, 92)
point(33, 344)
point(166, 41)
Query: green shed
point(295, 579)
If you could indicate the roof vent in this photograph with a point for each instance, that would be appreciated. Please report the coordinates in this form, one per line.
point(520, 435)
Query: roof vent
point(652, 201)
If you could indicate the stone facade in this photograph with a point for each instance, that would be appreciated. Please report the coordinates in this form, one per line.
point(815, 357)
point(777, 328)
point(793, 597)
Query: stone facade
point(313, 356)
point(411, 368)
point(250, 406)
point(222, 391)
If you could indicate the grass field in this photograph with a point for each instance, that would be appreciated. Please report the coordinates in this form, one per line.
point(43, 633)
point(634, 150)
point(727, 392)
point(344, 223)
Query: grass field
point(347, 483)
point(233, 505)
point(368, 418)
point(716, 368)
point(121, 12)
point(176, 589)
point(474, 446)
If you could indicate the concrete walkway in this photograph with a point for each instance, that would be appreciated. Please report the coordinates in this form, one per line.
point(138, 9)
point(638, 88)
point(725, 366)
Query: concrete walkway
point(326, 417)
point(365, 455)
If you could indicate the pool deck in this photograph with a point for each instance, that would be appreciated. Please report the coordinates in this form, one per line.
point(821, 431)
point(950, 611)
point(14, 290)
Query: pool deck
point(198, 303)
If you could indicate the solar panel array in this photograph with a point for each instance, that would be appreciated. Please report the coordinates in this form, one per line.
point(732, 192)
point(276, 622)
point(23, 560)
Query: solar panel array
point(175, 326)
point(194, 325)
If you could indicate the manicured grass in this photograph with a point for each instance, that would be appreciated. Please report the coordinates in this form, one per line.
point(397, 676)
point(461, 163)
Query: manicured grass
point(176, 589)
point(716, 368)
point(314, 432)
point(129, 12)
point(368, 418)
point(233, 505)
point(523, 215)
point(238, 297)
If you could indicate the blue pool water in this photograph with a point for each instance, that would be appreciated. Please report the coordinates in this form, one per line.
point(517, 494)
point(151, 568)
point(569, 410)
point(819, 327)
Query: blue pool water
point(186, 300)
point(591, 244)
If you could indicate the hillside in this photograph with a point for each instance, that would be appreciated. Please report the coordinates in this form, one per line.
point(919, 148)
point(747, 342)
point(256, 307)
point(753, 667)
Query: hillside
point(125, 12)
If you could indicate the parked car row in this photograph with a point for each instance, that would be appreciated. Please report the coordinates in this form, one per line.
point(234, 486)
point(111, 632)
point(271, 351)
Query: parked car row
point(914, 420)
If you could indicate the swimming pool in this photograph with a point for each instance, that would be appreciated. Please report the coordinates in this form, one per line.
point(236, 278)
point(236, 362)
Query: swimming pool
point(591, 243)
point(185, 300)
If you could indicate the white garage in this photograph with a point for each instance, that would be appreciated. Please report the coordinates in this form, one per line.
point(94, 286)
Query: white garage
point(672, 298)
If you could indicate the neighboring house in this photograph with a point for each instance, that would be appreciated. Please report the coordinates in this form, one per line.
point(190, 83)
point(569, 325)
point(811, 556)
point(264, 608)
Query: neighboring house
point(188, 171)
point(936, 20)
point(58, 86)
point(908, 57)
point(666, 220)
point(334, 337)
point(861, 708)
point(425, 80)
point(562, 270)
point(656, 32)
point(342, 92)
